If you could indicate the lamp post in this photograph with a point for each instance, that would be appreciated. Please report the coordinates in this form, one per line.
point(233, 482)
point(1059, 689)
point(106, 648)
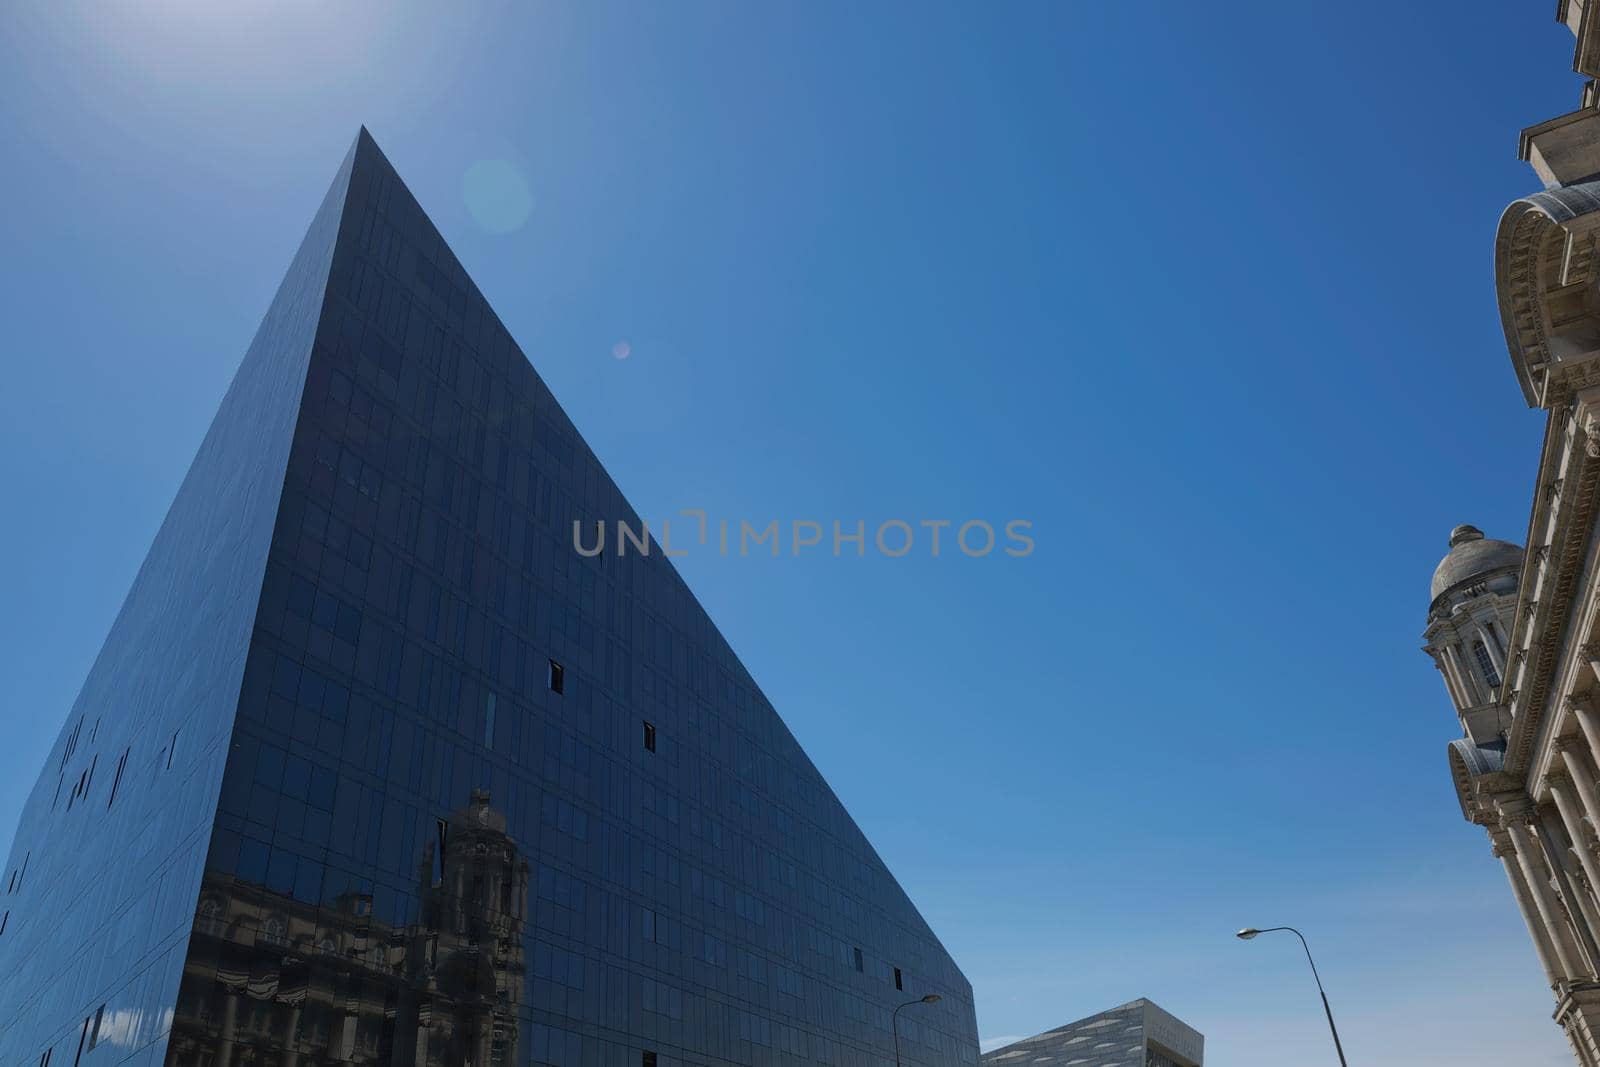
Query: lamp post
point(894, 1021)
point(1250, 932)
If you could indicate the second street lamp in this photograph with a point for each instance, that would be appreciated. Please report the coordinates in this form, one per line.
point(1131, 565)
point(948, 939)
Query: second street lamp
point(894, 1021)
point(1250, 932)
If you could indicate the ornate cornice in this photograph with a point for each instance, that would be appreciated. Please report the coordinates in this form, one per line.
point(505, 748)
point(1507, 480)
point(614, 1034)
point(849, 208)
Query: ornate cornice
point(1522, 246)
point(1477, 586)
point(1567, 380)
point(1515, 812)
point(1550, 616)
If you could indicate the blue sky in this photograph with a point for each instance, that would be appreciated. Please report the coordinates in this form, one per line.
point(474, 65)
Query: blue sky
point(1203, 292)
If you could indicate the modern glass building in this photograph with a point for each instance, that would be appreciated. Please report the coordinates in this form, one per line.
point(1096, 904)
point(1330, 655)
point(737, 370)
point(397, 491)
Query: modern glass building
point(1136, 1034)
point(375, 768)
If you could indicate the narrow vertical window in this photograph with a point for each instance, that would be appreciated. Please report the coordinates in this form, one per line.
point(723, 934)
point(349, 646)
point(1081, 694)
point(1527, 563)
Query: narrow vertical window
point(488, 722)
point(72, 743)
point(1486, 665)
point(5, 918)
point(897, 983)
point(94, 1031)
point(649, 737)
point(558, 677)
point(44, 1060)
point(121, 763)
point(442, 830)
point(649, 925)
point(861, 964)
point(83, 1035)
point(172, 749)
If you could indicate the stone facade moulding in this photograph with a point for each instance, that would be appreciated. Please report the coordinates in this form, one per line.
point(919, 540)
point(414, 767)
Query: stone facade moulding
point(1544, 252)
point(1555, 587)
point(1565, 150)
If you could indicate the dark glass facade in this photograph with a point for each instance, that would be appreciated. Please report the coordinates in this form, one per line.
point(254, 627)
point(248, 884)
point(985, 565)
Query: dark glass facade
point(375, 768)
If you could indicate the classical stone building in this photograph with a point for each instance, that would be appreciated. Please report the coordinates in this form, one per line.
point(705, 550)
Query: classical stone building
point(1516, 635)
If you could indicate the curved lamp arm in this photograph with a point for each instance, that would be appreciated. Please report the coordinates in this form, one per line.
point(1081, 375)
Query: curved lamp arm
point(1250, 932)
point(894, 1020)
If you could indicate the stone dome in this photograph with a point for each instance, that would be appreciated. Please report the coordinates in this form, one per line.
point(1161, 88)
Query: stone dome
point(1471, 555)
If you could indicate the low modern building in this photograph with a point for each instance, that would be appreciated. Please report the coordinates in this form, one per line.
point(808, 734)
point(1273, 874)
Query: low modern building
point(1516, 634)
point(1137, 1034)
point(375, 768)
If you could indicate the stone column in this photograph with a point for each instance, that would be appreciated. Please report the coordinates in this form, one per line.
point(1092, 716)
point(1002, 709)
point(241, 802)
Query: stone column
point(1567, 822)
point(1570, 1028)
point(1469, 684)
point(1530, 857)
point(1577, 1012)
point(1501, 637)
point(1563, 792)
point(1549, 833)
point(1449, 681)
point(1505, 852)
point(1588, 722)
point(1464, 683)
point(1574, 753)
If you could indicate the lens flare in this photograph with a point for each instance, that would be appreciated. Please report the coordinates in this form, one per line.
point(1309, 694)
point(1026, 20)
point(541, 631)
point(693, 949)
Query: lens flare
point(497, 195)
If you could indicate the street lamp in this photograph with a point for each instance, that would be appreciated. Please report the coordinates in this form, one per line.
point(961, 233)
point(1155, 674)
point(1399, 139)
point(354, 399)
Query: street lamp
point(1250, 932)
point(894, 1020)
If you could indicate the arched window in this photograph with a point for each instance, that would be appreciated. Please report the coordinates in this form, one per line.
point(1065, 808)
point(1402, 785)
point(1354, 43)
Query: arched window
point(210, 917)
point(1486, 665)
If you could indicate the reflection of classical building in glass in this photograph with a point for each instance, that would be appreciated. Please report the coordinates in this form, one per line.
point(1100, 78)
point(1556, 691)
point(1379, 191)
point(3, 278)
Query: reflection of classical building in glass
point(374, 768)
point(1137, 1034)
point(269, 978)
